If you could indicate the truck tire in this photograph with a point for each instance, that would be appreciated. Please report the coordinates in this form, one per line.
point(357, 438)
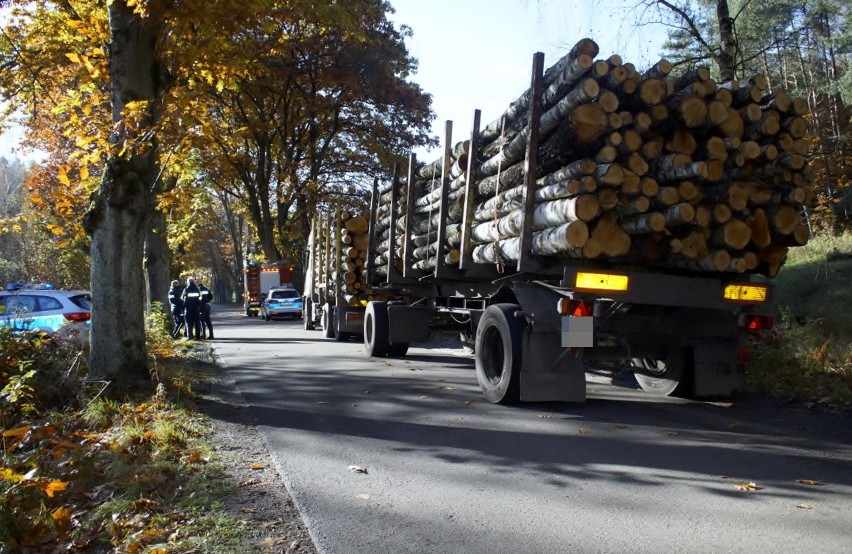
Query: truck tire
point(339, 336)
point(376, 330)
point(308, 315)
point(328, 321)
point(660, 377)
point(498, 353)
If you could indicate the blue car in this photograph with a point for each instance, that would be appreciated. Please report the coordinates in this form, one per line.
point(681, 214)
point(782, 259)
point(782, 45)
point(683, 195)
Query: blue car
point(282, 302)
point(64, 313)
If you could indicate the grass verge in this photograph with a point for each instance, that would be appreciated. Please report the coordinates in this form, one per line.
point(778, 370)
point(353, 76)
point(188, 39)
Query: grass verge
point(807, 357)
point(85, 470)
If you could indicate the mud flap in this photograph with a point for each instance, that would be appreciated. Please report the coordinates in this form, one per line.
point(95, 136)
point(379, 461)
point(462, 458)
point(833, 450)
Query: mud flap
point(550, 373)
point(408, 323)
point(717, 370)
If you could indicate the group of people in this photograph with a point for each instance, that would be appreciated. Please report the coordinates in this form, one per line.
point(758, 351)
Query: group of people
point(191, 309)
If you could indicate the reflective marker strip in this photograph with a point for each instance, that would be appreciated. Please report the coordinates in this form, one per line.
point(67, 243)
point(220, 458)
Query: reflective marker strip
point(747, 294)
point(601, 282)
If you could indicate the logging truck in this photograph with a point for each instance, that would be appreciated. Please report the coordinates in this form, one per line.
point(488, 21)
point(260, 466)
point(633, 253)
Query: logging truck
point(606, 215)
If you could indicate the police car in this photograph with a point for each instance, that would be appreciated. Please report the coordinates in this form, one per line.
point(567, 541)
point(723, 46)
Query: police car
point(66, 313)
point(282, 301)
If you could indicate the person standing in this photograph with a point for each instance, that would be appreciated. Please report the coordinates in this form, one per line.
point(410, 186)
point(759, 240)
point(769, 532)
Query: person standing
point(206, 324)
point(177, 308)
point(192, 307)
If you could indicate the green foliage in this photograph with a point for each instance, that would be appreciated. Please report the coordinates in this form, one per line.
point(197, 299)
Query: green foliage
point(801, 361)
point(37, 373)
point(808, 355)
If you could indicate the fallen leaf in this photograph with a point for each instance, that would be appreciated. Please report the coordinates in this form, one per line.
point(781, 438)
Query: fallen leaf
point(363, 496)
point(672, 433)
point(248, 482)
point(747, 486)
point(582, 431)
point(194, 457)
point(62, 516)
point(619, 426)
point(545, 416)
point(322, 403)
point(52, 487)
point(733, 425)
point(804, 506)
point(810, 482)
point(257, 466)
point(467, 402)
point(248, 510)
point(357, 469)
point(449, 388)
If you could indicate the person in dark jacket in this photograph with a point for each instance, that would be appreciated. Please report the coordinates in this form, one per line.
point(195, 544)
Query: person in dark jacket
point(192, 307)
point(204, 315)
point(177, 308)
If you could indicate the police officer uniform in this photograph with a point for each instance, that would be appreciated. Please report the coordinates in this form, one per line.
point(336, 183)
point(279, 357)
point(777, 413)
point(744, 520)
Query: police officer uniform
point(177, 308)
point(204, 315)
point(192, 306)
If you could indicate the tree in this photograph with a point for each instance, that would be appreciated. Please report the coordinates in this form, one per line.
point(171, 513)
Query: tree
point(120, 98)
point(325, 106)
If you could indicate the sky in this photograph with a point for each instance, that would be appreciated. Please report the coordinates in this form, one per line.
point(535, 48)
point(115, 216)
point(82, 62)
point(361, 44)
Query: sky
point(477, 54)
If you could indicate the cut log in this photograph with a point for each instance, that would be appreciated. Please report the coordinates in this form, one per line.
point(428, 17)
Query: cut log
point(734, 234)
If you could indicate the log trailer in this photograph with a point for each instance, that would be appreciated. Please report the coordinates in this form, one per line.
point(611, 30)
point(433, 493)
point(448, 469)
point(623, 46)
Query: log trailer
point(258, 279)
point(335, 284)
point(607, 215)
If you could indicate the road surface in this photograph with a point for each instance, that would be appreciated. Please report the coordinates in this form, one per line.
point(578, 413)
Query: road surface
point(443, 470)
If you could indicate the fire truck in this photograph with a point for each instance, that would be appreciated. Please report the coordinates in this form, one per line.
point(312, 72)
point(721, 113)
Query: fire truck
point(258, 279)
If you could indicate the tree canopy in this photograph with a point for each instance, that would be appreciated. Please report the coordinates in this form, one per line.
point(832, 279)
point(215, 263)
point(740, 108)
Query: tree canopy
point(153, 108)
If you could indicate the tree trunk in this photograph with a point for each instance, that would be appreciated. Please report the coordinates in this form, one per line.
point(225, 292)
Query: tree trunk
point(727, 53)
point(118, 216)
point(157, 261)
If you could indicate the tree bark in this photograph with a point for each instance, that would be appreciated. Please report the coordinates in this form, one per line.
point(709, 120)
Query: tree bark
point(118, 216)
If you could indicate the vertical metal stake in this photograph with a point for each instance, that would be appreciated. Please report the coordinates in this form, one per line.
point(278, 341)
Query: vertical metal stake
point(531, 162)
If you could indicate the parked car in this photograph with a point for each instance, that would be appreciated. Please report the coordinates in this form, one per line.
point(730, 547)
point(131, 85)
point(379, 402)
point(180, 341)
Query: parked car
point(66, 313)
point(281, 302)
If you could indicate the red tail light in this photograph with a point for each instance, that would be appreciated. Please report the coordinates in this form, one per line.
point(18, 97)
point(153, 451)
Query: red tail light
point(78, 316)
point(576, 308)
point(754, 322)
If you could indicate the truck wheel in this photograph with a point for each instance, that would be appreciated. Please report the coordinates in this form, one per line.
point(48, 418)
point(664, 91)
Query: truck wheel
point(328, 321)
point(376, 330)
point(308, 316)
point(659, 377)
point(498, 353)
point(339, 336)
point(397, 349)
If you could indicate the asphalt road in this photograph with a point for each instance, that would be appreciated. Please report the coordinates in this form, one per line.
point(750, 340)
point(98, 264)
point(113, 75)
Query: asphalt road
point(446, 471)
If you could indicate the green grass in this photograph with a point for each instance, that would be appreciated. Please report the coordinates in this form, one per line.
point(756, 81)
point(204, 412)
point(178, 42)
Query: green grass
point(808, 355)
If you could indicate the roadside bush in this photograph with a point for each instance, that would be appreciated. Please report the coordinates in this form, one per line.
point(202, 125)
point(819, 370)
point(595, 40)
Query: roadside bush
point(37, 373)
point(802, 361)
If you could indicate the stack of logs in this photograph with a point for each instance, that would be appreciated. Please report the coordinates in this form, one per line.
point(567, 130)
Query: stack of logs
point(353, 241)
point(674, 172)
